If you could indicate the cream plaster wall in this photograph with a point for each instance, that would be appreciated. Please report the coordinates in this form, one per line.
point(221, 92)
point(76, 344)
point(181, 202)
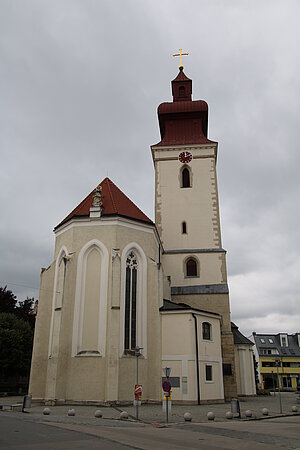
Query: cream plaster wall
point(89, 377)
point(197, 206)
point(179, 353)
point(39, 362)
point(212, 268)
point(244, 369)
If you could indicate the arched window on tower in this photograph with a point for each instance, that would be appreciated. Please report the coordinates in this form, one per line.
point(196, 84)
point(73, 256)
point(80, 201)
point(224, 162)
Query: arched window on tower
point(185, 178)
point(183, 228)
point(206, 331)
point(191, 268)
point(130, 302)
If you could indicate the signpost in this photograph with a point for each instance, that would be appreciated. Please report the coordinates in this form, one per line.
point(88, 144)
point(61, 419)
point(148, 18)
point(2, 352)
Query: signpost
point(166, 388)
point(277, 363)
point(138, 389)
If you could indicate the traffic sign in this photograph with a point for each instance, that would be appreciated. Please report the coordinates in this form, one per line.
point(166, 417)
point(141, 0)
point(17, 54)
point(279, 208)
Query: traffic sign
point(138, 391)
point(166, 386)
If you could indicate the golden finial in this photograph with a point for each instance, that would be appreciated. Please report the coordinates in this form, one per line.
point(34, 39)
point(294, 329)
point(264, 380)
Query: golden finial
point(180, 54)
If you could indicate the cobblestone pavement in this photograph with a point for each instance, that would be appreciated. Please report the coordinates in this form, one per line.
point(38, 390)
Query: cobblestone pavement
point(154, 413)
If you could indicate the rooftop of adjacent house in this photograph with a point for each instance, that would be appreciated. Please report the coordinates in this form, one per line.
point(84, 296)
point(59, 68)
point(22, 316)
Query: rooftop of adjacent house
point(114, 203)
point(238, 337)
point(281, 344)
point(168, 305)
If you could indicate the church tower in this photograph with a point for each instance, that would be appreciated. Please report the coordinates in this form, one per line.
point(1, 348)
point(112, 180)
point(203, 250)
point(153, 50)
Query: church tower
point(187, 213)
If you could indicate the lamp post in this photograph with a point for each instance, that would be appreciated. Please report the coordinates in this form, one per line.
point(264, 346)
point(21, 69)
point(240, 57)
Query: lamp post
point(137, 354)
point(277, 362)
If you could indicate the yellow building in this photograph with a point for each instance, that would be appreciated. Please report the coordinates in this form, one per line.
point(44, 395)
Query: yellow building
point(278, 360)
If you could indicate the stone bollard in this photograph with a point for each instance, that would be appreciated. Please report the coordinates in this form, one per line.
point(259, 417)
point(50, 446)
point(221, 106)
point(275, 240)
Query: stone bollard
point(294, 408)
point(124, 415)
point(46, 411)
point(98, 413)
point(187, 417)
point(71, 412)
point(229, 415)
point(248, 413)
point(265, 411)
point(210, 415)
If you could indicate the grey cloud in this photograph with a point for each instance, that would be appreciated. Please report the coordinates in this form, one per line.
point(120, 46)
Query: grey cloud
point(80, 84)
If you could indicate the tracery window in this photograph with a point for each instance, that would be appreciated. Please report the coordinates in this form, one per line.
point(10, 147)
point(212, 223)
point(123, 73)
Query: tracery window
point(130, 302)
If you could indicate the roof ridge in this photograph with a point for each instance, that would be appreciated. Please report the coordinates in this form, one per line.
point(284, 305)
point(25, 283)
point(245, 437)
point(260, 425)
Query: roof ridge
point(115, 202)
point(109, 182)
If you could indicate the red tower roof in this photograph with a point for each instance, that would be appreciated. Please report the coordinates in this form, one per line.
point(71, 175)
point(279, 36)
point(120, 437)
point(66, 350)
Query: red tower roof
point(183, 121)
point(115, 203)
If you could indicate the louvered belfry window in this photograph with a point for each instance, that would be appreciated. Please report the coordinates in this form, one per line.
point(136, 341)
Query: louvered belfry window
point(130, 302)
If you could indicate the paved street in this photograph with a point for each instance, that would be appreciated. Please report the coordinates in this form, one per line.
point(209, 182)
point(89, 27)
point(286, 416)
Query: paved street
point(20, 432)
point(58, 431)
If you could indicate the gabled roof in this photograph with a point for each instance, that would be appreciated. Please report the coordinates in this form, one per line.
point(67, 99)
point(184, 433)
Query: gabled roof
point(238, 337)
point(265, 342)
point(168, 305)
point(115, 203)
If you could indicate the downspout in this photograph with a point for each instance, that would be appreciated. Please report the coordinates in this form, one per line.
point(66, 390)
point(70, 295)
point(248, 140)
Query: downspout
point(197, 358)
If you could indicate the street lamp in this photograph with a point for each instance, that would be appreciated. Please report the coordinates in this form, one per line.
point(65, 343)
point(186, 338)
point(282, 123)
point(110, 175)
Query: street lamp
point(167, 371)
point(277, 363)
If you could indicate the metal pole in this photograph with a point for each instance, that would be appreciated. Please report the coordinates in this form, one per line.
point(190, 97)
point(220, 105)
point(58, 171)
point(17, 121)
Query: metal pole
point(197, 359)
point(137, 382)
point(167, 407)
point(280, 404)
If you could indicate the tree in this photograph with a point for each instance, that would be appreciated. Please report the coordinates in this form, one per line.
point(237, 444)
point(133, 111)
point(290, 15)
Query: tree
point(8, 300)
point(16, 338)
point(25, 310)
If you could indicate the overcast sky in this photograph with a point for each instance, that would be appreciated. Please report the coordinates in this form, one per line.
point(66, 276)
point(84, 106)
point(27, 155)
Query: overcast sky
point(80, 82)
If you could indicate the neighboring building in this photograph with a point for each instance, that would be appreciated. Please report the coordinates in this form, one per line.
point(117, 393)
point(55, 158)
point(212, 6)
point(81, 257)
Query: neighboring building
point(244, 363)
point(119, 281)
point(278, 353)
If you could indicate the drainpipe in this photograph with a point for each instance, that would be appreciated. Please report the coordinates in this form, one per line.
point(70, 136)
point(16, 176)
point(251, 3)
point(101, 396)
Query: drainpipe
point(197, 358)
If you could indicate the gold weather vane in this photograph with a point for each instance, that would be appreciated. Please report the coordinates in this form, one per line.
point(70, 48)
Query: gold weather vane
point(180, 54)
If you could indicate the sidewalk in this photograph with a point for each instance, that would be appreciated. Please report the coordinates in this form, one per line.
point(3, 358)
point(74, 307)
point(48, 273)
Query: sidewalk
point(154, 413)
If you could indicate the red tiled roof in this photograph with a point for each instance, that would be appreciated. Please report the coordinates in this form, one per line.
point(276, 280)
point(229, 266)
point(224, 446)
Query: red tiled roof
point(183, 121)
point(115, 203)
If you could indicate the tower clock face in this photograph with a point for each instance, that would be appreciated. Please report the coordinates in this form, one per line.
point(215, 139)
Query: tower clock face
point(185, 157)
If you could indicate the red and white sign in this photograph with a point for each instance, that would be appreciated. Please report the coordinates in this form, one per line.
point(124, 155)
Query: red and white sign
point(166, 386)
point(138, 391)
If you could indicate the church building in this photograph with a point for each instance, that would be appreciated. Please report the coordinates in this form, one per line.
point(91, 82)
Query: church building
point(119, 282)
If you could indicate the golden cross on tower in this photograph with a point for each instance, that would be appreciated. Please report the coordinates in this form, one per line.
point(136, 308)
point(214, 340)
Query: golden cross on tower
point(180, 54)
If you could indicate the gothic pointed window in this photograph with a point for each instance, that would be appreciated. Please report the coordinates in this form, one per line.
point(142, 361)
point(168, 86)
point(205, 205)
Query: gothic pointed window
point(185, 178)
point(183, 228)
point(130, 302)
